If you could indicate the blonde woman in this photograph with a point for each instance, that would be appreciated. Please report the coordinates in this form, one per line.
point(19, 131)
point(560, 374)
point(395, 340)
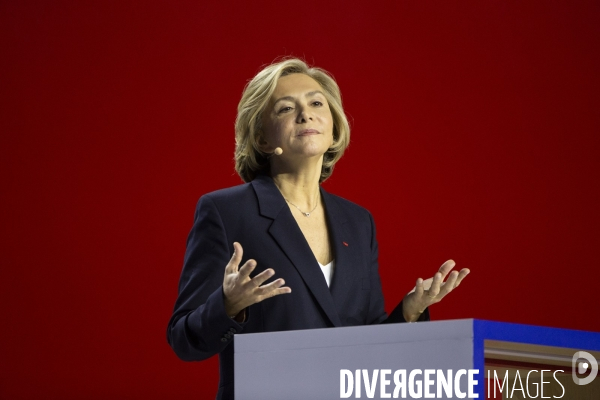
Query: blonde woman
point(279, 252)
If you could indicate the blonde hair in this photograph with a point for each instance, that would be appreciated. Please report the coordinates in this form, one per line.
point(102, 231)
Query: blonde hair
point(249, 159)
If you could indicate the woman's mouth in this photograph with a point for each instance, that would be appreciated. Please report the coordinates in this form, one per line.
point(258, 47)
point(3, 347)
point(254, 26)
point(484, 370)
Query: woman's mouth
point(308, 132)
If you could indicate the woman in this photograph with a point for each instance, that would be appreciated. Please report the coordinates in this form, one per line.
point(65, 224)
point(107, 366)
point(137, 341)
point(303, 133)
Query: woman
point(321, 249)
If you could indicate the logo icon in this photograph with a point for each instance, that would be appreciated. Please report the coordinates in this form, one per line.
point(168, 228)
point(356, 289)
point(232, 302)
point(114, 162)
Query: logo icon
point(582, 367)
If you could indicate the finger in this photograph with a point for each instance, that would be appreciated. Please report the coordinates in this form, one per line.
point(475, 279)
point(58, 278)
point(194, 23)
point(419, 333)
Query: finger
point(419, 290)
point(272, 289)
point(449, 284)
point(246, 269)
point(427, 283)
point(262, 277)
point(446, 267)
point(236, 259)
point(278, 291)
point(435, 285)
point(461, 275)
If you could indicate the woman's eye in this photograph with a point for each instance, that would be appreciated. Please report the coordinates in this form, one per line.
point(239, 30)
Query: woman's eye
point(285, 109)
point(317, 103)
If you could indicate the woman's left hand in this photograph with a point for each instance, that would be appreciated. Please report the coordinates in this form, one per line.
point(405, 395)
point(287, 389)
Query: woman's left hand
point(432, 290)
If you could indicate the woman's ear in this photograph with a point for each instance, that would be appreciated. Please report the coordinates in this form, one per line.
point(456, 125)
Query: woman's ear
point(262, 144)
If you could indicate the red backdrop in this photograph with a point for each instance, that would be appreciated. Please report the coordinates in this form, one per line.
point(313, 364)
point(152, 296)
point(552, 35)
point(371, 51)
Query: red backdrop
point(475, 137)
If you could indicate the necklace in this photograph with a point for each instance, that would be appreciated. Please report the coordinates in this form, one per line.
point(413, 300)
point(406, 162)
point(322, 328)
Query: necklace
point(306, 214)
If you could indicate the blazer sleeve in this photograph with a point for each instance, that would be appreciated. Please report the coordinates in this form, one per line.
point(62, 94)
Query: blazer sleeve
point(200, 327)
point(376, 306)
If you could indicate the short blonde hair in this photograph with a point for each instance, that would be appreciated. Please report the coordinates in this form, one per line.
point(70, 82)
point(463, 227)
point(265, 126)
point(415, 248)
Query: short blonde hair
point(249, 159)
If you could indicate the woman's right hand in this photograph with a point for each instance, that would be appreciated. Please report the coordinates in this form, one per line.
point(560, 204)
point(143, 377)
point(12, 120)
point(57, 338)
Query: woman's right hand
point(241, 291)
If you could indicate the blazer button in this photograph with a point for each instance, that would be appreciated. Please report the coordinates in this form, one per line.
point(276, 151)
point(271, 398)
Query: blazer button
point(232, 330)
point(228, 335)
point(223, 339)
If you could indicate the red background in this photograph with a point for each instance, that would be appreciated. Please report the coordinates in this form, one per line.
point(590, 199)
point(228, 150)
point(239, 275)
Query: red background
point(475, 137)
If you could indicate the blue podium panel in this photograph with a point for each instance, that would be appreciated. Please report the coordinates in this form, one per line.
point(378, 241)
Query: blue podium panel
point(442, 359)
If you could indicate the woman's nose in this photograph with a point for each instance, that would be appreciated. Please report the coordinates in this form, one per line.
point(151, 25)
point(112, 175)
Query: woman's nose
point(304, 115)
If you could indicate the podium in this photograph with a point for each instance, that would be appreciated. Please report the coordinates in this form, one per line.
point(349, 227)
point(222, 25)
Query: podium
point(439, 359)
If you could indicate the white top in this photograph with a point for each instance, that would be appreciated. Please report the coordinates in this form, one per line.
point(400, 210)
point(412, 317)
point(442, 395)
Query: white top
point(328, 271)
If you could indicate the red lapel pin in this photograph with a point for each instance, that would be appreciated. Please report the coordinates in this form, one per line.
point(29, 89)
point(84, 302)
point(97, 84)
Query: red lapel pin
point(345, 244)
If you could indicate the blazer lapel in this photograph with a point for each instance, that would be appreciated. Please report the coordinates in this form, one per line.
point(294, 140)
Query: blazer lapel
point(347, 253)
point(289, 237)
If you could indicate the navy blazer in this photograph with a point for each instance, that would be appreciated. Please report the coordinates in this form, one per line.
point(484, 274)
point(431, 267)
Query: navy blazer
point(256, 215)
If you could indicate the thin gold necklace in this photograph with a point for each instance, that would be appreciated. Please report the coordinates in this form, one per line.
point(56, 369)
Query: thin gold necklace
point(306, 214)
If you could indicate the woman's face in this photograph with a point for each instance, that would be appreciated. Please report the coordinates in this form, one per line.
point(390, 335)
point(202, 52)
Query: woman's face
point(297, 118)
